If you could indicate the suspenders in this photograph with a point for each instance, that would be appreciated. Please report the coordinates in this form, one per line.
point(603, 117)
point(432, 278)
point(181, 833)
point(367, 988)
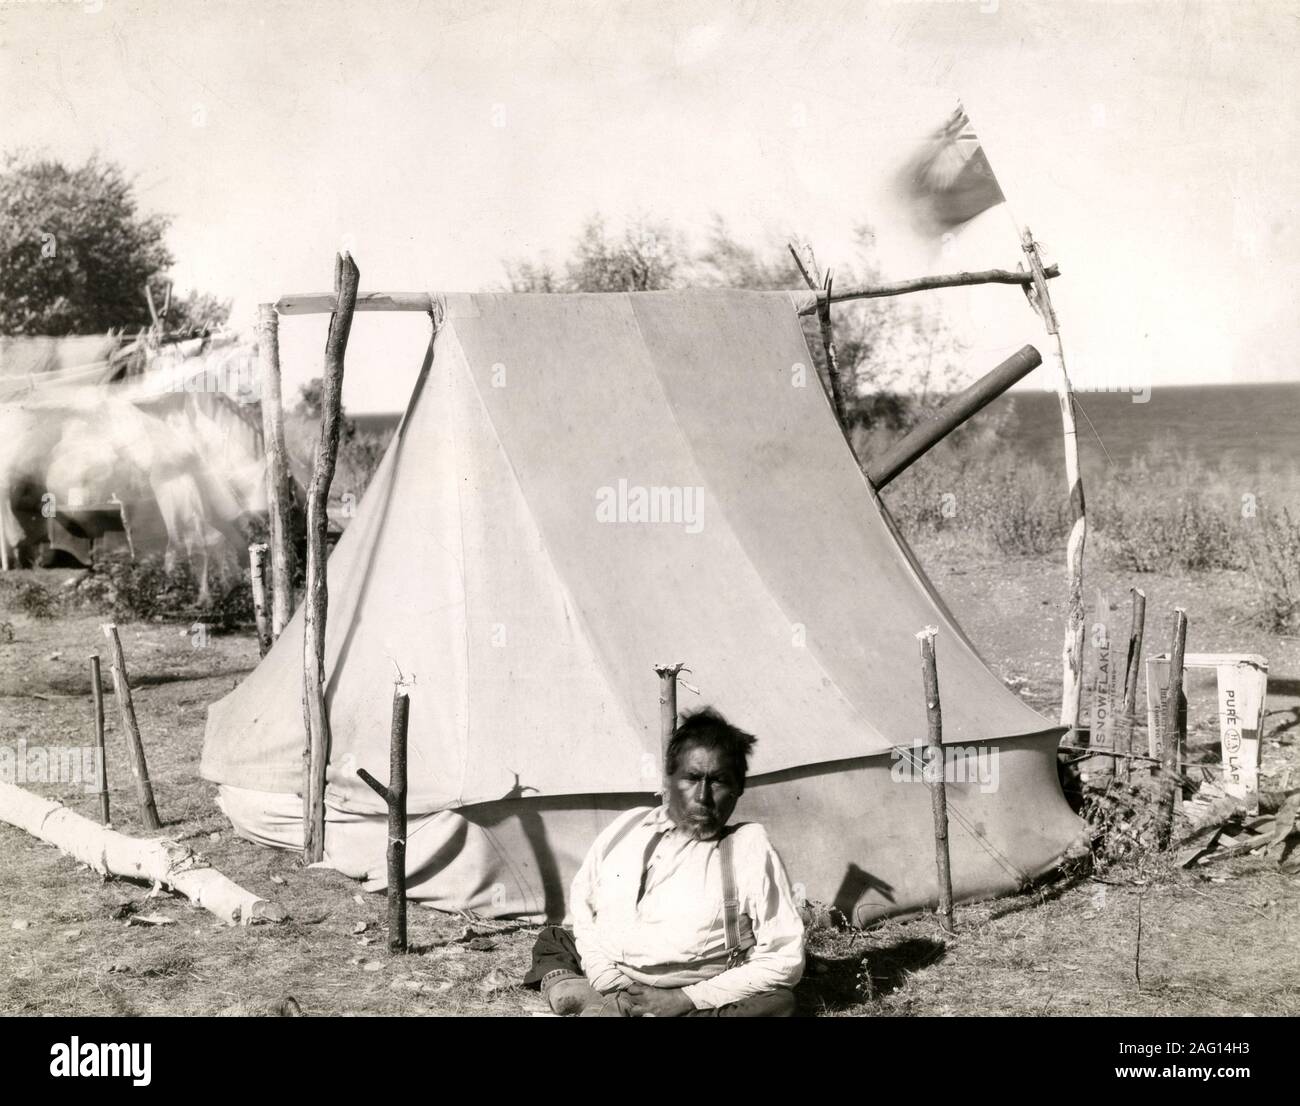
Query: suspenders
point(737, 927)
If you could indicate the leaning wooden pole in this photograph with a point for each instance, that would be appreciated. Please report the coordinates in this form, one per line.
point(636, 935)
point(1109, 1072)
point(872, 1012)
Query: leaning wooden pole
point(667, 713)
point(1171, 747)
point(933, 774)
point(1072, 649)
point(101, 764)
point(131, 731)
point(257, 581)
point(394, 795)
point(315, 716)
point(1132, 673)
point(279, 489)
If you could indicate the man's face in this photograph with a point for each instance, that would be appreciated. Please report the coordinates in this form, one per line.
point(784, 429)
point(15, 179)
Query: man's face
point(702, 792)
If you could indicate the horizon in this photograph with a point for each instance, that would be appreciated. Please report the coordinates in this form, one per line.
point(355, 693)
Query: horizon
point(1162, 179)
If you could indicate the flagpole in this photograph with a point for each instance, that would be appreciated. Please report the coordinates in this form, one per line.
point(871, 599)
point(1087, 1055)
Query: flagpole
point(1072, 647)
point(1040, 299)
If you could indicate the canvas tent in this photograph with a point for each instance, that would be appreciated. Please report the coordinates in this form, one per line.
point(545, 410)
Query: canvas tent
point(503, 563)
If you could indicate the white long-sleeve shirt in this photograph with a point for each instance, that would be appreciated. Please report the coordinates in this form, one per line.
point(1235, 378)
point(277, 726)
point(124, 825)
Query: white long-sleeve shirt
point(675, 936)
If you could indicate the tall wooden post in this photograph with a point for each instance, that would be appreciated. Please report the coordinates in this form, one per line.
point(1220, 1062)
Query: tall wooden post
point(1072, 649)
point(279, 492)
point(257, 581)
point(395, 796)
point(667, 712)
point(315, 716)
point(131, 731)
point(1171, 748)
point(1132, 673)
point(933, 774)
point(101, 771)
point(807, 266)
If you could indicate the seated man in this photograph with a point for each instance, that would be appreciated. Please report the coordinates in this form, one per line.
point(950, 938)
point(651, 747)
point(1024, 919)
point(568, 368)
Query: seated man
point(676, 913)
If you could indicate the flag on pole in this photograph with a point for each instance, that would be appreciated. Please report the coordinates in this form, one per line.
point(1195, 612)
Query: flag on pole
point(949, 180)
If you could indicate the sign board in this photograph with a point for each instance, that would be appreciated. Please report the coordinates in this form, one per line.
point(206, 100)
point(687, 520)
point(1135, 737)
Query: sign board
point(1242, 688)
point(1107, 688)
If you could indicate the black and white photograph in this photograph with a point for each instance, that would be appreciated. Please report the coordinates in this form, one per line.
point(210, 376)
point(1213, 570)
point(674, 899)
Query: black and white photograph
point(775, 509)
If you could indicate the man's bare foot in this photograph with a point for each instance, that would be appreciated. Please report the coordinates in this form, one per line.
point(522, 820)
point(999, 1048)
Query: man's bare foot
point(569, 996)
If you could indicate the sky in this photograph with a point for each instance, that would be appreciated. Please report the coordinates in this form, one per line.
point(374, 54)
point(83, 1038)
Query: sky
point(1150, 147)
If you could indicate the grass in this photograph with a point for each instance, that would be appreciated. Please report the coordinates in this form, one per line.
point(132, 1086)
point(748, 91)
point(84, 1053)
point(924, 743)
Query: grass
point(1160, 513)
point(1066, 947)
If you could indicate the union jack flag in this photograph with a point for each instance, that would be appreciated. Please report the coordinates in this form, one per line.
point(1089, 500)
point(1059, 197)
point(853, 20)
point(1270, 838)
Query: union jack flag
point(949, 180)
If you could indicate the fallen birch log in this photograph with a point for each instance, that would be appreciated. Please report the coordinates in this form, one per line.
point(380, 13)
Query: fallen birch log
point(153, 860)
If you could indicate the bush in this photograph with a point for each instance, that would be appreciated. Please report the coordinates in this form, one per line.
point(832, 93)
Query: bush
point(148, 590)
point(34, 601)
point(360, 452)
point(1274, 556)
point(1166, 512)
point(985, 493)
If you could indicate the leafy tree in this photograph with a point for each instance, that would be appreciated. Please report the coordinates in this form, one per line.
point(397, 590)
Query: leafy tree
point(197, 313)
point(897, 356)
point(645, 258)
point(75, 252)
point(881, 344)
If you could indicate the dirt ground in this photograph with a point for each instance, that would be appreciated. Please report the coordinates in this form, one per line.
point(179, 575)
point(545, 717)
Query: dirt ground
point(1224, 939)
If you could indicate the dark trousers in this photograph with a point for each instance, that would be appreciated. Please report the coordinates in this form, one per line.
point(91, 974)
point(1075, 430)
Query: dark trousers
point(555, 955)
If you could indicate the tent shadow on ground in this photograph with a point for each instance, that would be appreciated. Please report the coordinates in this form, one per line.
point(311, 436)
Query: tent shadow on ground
point(830, 985)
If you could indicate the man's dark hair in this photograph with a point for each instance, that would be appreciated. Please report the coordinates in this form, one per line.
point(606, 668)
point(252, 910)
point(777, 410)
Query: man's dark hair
point(707, 729)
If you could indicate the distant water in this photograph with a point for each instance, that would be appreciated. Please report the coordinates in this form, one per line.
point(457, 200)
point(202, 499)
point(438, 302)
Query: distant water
point(1237, 428)
point(1250, 429)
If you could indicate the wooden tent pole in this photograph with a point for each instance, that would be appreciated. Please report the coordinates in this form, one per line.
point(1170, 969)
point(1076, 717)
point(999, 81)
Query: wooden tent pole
point(807, 267)
point(394, 795)
point(101, 771)
point(667, 713)
point(1072, 648)
point(278, 488)
point(131, 731)
point(315, 715)
point(1171, 747)
point(1133, 672)
point(4, 532)
point(938, 787)
point(257, 581)
point(321, 303)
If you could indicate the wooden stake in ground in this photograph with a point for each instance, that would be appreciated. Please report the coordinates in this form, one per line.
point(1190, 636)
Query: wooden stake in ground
point(316, 752)
point(1072, 650)
point(101, 769)
point(1171, 749)
point(667, 713)
point(154, 861)
point(279, 493)
point(257, 580)
point(395, 796)
point(131, 731)
point(808, 270)
point(935, 768)
point(1132, 672)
